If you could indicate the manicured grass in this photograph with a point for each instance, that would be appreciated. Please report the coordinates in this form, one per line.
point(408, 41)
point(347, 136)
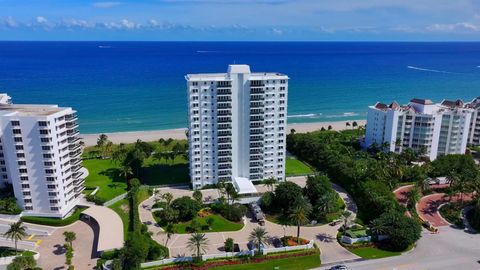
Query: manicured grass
point(121, 208)
point(373, 252)
point(8, 251)
point(293, 263)
point(220, 224)
point(294, 167)
point(356, 233)
point(57, 222)
point(163, 172)
point(105, 174)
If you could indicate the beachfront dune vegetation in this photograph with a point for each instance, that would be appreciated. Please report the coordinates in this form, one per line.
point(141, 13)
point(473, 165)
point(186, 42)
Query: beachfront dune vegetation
point(111, 165)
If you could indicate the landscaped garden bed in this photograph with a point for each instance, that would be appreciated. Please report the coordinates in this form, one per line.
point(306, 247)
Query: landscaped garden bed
point(8, 252)
point(451, 212)
point(290, 241)
point(57, 222)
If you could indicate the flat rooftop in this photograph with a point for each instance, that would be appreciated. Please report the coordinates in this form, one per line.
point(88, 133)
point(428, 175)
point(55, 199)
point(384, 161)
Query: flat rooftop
point(30, 109)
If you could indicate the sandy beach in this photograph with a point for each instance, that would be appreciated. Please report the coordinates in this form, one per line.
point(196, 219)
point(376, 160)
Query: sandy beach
point(180, 133)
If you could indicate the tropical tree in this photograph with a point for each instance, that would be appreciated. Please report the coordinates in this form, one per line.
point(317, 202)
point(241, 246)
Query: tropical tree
point(329, 127)
point(168, 197)
point(168, 231)
point(197, 195)
point(197, 243)
point(299, 215)
point(292, 131)
point(354, 124)
point(258, 237)
point(23, 263)
point(346, 215)
point(377, 227)
point(70, 237)
point(125, 172)
point(347, 124)
point(270, 183)
point(102, 140)
point(229, 245)
point(413, 196)
point(16, 232)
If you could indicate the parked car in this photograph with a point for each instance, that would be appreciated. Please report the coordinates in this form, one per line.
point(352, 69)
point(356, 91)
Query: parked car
point(339, 267)
point(252, 246)
point(257, 213)
point(277, 242)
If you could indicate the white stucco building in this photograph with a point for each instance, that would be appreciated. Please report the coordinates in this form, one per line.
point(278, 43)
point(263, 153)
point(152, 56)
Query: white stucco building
point(432, 128)
point(474, 136)
point(40, 156)
point(237, 123)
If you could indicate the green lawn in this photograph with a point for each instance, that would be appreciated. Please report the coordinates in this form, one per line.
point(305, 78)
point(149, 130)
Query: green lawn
point(293, 263)
point(374, 252)
point(294, 167)
point(104, 174)
point(121, 208)
point(220, 224)
point(162, 172)
point(8, 251)
point(49, 221)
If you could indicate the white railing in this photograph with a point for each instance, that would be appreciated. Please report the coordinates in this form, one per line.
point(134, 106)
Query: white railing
point(290, 248)
point(116, 199)
point(227, 255)
point(166, 261)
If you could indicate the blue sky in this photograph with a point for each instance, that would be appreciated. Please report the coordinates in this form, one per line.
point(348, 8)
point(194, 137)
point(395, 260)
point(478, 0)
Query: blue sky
point(244, 20)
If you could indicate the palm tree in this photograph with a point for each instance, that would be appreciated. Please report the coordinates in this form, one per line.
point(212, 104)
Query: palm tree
point(329, 127)
point(347, 124)
point(16, 232)
point(197, 243)
point(168, 231)
point(258, 237)
point(70, 237)
point(354, 124)
point(270, 183)
point(125, 171)
point(346, 218)
point(168, 197)
point(102, 139)
point(377, 228)
point(299, 215)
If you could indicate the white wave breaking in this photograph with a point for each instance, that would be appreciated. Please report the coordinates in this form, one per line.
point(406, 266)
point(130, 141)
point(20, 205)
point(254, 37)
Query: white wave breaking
point(345, 114)
point(310, 115)
point(430, 70)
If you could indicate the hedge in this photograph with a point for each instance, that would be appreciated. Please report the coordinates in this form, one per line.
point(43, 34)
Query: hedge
point(57, 222)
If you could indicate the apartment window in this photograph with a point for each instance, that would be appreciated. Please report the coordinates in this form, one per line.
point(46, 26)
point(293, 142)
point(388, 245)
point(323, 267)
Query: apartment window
point(26, 193)
point(17, 131)
point(20, 155)
point(19, 147)
point(17, 139)
point(46, 148)
point(51, 186)
point(29, 208)
point(15, 123)
point(22, 170)
point(54, 208)
point(44, 131)
point(28, 200)
point(4, 176)
point(22, 163)
point(50, 179)
point(25, 186)
point(24, 178)
point(42, 123)
point(44, 140)
point(53, 201)
point(49, 171)
point(48, 163)
point(52, 194)
point(47, 155)
point(2, 162)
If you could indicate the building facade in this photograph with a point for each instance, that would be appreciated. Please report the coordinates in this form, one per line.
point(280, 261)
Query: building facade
point(431, 129)
point(40, 155)
point(474, 136)
point(237, 125)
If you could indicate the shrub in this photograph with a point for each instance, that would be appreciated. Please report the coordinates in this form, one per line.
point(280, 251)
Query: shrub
point(229, 245)
point(96, 200)
point(266, 201)
point(187, 208)
point(286, 195)
point(401, 230)
point(55, 221)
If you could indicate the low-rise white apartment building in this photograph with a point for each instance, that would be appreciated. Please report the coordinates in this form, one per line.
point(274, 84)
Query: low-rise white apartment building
point(237, 123)
point(429, 128)
point(40, 156)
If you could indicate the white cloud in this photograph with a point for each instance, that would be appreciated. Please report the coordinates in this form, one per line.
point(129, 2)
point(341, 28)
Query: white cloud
point(454, 27)
point(106, 4)
point(8, 22)
point(44, 23)
point(74, 23)
point(122, 25)
point(277, 31)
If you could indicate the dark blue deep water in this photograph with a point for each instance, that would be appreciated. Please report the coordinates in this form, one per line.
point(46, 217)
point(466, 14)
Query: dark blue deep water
point(128, 86)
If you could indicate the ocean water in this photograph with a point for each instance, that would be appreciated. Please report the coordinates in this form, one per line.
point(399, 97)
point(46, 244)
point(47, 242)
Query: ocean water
point(130, 86)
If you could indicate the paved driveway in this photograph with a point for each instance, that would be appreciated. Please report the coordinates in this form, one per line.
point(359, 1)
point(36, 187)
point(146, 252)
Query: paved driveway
point(428, 206)
point(52, 253)
point(324, 236)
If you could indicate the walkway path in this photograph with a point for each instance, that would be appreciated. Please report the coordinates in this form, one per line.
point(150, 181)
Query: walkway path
point(427, 207)
point(324, 236)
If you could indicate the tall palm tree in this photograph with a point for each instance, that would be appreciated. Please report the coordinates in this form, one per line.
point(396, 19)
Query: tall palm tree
point(377, 228)
point(346, 218)
point(16, 232)
point(270, 183)
point(70, 237)
point(258, 237)
point(299, 215)
point(168, 231)
point(125, 171)
point(168, 197)
point(197, 243)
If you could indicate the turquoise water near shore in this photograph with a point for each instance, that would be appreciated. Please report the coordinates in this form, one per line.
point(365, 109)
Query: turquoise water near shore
point(132, 86)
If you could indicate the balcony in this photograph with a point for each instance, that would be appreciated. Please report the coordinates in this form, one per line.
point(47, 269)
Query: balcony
point(72, 132)
point(224, 153)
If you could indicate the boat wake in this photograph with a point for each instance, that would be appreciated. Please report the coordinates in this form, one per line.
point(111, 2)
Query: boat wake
point(346, 114)
point(430, 70)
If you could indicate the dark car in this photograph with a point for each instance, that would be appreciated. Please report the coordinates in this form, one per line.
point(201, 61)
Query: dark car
point(339, 267)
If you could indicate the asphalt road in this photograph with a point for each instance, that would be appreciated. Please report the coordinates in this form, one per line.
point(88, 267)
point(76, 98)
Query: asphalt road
point(451, 249)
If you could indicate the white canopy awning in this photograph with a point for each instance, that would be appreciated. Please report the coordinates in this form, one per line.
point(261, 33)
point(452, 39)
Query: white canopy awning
point(243, 185)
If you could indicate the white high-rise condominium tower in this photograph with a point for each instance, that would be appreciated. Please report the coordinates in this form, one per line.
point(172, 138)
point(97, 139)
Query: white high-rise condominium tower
point(474, 136)
point(40, 156)
point(237, 123)
point(432, 129)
